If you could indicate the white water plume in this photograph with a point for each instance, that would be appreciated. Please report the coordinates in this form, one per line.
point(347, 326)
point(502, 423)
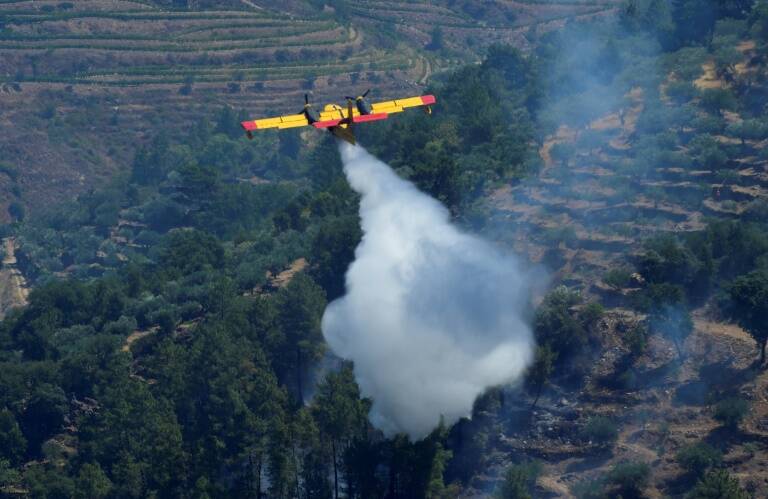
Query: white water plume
point(432, 316)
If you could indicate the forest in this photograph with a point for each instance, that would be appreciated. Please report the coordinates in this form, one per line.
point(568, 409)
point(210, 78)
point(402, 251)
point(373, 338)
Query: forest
point(171, 344)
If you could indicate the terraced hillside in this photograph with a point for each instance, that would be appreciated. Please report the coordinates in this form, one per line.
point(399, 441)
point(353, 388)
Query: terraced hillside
point(591, 198)
point(468, 27)
point(464, 28)
point(82, 83)
point(599, 197)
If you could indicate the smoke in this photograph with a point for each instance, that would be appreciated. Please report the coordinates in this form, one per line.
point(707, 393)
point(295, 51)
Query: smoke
point(432, 316)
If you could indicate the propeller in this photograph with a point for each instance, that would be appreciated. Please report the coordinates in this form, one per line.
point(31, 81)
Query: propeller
point(360, 97)
point(306, 103)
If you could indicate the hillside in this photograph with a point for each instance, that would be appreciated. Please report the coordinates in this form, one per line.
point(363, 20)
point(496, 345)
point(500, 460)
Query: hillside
point(588, 216)
point(171, 342)
point(83, 83)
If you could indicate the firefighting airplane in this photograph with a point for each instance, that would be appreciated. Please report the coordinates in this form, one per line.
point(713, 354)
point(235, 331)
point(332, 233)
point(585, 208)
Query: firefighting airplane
point(337, 120)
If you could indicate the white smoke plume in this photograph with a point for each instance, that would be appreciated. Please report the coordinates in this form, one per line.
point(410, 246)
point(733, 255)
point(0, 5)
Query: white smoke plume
point(432, 316)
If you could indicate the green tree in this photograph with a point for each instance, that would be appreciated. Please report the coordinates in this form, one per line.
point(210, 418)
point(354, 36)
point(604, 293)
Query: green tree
point(750, 129)
point(9, 476)
point(333, 249)
point(13, 445)
point(340, 413)
point(49, 482)
point(92, 482)
point(618, 278)
point(436, 488)
point(749, 296)
point(137, 436)
point(558, 324)
point(694, 20)
point(730, 411)
point(300, 307)
point(630, 478)
point(717, 100)
point(668, 260)
point(717, 484)
point(635, 338)
point(698, 458)
point(187, 251)
point(600, 431)
point(518, 481)
point(43, 415)
point(541, 370)
point(236, 401)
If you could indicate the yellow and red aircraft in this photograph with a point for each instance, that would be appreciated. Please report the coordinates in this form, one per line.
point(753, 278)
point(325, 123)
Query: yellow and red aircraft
point(337, 120)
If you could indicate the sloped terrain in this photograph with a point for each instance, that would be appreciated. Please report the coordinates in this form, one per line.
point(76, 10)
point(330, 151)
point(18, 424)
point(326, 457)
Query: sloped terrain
point(181, 303)
point(84, 82)
point(589, 211)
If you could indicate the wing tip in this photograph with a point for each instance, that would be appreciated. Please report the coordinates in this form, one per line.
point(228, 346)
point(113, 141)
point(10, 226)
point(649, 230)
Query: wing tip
point(428, 100)
point(249, 126)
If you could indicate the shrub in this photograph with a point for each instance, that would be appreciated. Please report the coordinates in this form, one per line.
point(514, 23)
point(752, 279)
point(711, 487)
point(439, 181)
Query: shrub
point(591, 314)
point(600, 430)
point(699, 457)
point(635, 339)
point(518, 481)
point(731, 411)
point(717, 484)
point(630, 478)
point(618, 278)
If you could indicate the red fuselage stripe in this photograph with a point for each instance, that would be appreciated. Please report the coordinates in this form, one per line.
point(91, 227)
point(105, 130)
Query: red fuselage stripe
point(326, 124)
point(370, 117)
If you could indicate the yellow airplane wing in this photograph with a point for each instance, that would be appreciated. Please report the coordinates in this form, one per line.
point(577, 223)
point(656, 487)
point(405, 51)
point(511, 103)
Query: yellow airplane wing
point(288, 121)
point(398, 105)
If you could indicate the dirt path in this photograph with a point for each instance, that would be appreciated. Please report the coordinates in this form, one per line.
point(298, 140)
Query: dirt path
point(709, 78)
point(731, 331)
point(14, 291)
point(563, 134)
point(554, 485)
point(427, 71)
point(284, 277)
point(136, 336)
